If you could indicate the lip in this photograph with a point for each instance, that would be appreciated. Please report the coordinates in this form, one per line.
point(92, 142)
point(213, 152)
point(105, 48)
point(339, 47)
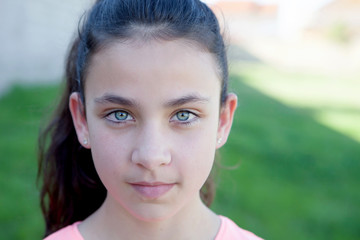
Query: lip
point(152, 190)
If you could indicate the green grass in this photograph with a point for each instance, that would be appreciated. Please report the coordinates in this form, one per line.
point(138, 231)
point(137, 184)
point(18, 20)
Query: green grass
point(22, 111)
point(332, 99)
point(297, 177)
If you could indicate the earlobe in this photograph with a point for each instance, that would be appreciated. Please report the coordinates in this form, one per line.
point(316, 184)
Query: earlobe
point(226, 119)
point(79, 119)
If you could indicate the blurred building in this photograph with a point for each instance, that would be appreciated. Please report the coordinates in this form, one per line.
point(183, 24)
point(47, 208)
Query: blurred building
point(34, 38)
point(339, 20)
point(247, 19)
point(296, 34)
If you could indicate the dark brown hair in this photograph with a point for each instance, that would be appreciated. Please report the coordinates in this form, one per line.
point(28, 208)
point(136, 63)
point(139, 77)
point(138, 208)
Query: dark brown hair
point(71, 189)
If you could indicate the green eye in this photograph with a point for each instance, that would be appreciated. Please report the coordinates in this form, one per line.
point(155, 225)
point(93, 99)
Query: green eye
point(120, 115)
point(183, 116)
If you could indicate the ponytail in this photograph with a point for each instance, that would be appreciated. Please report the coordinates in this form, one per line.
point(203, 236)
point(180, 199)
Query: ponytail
point(71, 189)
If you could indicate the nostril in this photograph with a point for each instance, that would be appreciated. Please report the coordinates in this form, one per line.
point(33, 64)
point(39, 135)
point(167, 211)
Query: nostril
point(151, 158)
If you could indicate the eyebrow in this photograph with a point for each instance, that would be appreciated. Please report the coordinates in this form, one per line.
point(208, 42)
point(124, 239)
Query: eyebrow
point(186, 99)
point(110, 98)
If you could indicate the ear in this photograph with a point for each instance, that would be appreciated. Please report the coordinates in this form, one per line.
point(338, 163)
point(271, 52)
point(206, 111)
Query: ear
point(226, 118)
point(79, 119)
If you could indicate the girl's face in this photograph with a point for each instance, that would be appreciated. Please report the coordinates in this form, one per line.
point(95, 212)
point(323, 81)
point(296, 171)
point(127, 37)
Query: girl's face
point(153, 121)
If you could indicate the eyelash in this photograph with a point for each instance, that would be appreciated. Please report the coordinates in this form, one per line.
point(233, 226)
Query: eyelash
point(112, 118)
point(191, 118)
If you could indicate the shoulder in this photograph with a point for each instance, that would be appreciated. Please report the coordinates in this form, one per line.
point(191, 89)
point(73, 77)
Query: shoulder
point(229, 230)
point(70, 232)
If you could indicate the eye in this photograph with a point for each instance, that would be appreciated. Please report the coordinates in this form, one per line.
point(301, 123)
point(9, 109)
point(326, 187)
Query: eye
point(184, 117)
point(119, 116)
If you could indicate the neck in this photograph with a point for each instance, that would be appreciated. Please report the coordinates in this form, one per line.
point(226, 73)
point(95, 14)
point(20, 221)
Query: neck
point(193, 221)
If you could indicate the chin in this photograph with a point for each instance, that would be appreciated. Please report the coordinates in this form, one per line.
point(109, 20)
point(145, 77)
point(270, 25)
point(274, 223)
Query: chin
point(152, 212)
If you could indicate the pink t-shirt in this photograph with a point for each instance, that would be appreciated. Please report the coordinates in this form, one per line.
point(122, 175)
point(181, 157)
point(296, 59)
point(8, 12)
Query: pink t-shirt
point(228, 231)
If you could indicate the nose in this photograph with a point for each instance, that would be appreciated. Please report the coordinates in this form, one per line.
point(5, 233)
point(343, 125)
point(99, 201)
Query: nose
point(152, 149)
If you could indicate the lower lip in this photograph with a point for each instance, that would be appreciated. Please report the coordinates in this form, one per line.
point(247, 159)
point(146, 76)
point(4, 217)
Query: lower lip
point(152, 191)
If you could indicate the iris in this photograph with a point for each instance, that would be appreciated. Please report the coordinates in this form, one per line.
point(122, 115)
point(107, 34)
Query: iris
point(183, 115)
point(120, 115)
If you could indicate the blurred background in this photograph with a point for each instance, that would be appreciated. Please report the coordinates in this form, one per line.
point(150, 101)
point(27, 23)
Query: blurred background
point(290, 168)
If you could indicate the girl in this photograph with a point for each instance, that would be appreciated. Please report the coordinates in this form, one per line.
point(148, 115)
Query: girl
point(133, 140)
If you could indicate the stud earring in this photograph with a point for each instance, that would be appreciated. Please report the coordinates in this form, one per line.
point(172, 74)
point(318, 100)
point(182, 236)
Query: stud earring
point(85, 141)
point(219, 140)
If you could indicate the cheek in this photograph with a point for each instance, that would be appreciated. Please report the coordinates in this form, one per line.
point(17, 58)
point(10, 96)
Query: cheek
point(110, 153)
point(199, 152)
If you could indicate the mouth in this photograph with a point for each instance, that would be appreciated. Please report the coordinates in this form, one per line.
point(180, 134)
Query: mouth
point(153, 190)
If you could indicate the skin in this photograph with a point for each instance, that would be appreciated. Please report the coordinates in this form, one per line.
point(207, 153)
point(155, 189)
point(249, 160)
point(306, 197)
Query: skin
point(152, 124)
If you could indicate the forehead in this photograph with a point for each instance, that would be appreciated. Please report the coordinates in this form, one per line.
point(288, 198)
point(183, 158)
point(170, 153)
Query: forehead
point(166, 67)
